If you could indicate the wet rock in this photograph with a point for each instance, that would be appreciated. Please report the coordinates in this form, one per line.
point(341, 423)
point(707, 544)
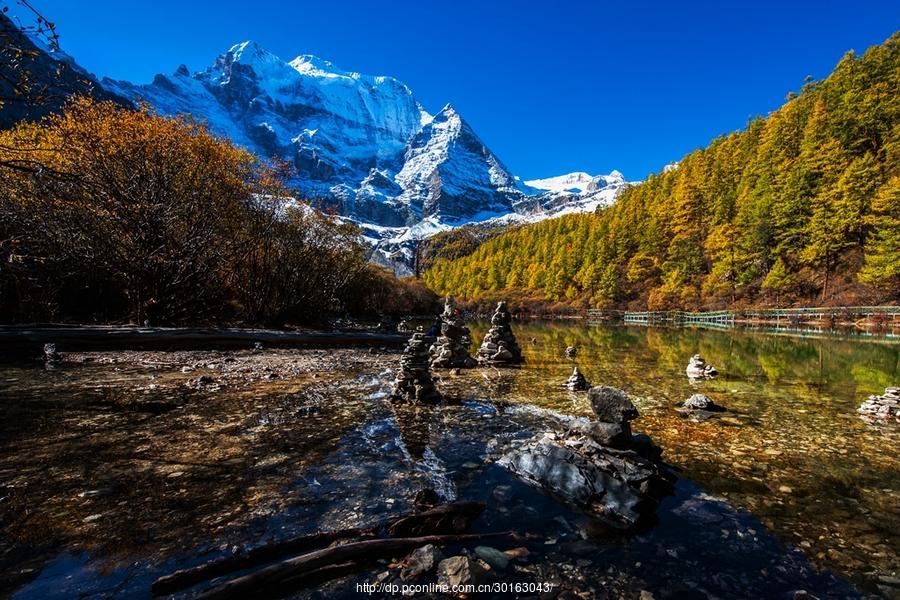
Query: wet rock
point(619, 478)
point(413, 382)
point(699, 407)
point(499, 346)
point(612, 405)
point(460, 570)
point(699, 369)
point(884, 407)
point(577, 382)
point(451, 349)
point(701, 402)
point(520, 553)
point(614, 435)
point(420, 561)
point(497, 559)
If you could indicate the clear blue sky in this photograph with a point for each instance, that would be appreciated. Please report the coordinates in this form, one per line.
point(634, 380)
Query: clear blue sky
point(550, 86)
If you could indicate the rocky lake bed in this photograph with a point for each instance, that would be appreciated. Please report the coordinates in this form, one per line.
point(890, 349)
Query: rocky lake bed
point(117, 468)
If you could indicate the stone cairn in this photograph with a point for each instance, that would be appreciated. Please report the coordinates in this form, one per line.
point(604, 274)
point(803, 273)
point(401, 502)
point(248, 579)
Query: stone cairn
point(577, 382)
point(51, 356)
point(413, 382)
point(698, 368)
point(598, 465)
point(499, 346)
point(451, 350)
point(886, 406)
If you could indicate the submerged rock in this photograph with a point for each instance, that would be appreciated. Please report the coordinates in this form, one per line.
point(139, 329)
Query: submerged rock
point(499, 346)
point(599, 465)
point(451, 350)
point(886, 406)
point(699, 369)
point(413, 382)
point(495, 558)
point(699, 402)
point(577, 382)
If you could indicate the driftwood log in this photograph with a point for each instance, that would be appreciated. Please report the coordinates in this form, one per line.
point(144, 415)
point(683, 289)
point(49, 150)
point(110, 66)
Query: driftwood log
point(294, 569)
point(454, 518)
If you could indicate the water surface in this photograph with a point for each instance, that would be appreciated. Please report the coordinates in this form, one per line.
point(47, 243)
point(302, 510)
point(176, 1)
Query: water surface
point(118, 470)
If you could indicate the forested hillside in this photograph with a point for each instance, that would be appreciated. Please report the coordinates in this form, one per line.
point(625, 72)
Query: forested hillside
point(803, 206)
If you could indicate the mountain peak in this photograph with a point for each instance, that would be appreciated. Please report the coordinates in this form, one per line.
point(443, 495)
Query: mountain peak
point(307, 64)
point(448, 111)
point(250, 51)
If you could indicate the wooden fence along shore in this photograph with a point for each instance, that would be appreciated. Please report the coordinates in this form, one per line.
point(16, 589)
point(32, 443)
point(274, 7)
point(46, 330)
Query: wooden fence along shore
point(872, 316)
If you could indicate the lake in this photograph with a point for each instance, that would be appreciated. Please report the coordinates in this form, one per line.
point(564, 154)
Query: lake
point(116, 468)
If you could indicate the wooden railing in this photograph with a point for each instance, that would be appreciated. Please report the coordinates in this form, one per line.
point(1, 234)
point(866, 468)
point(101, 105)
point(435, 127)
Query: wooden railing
point(728, 318)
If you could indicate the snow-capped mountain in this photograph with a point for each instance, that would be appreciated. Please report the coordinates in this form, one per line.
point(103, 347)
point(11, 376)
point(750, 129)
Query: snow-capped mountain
point(360, 143)
point(551, 197)
point(573, 192)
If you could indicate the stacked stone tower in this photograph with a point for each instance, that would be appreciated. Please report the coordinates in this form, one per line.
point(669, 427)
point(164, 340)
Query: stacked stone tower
point(413, 382)
point(452, 347)
point(499, 346)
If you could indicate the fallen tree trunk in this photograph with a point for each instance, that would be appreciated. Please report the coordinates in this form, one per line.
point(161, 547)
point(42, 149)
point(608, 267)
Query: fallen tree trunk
point(369, 550)
point(185, 578)
point(451, 518)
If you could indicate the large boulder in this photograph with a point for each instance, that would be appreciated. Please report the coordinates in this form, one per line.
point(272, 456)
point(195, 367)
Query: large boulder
point(612, 405)
point(599, 465)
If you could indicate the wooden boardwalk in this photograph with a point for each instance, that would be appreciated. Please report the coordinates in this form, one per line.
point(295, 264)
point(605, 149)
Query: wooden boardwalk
point(888, 315)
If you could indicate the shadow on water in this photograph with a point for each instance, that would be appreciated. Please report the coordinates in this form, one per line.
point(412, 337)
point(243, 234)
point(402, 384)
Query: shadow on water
point(100, 501)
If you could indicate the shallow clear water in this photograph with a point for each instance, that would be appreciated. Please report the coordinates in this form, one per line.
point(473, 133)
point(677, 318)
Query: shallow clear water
point(98, 499)
point(791, 448)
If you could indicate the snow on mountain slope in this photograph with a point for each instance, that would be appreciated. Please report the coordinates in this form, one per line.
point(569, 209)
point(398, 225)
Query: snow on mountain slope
point(448, 171)
point(570, 182)
point(360, 143)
